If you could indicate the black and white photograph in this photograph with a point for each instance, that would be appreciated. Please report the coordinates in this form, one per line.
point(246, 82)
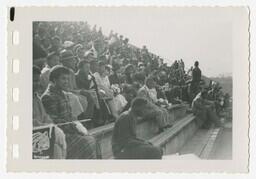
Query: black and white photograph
point(128, 89)
point(131, 84)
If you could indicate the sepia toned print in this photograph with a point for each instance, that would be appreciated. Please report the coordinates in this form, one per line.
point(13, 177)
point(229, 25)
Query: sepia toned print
point(137, 93)
point(164, 88)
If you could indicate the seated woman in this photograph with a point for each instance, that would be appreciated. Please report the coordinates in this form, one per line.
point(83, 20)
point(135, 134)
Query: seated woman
point(160, 114)
point(80, 145)
point(104, 88)
point(86, 84)
point(41, 118)
point(114, 74)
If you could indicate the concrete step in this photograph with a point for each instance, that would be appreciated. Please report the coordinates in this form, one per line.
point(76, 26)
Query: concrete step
point(172, 140)
point(197, 143)
point(145, 130)
point(222, 147)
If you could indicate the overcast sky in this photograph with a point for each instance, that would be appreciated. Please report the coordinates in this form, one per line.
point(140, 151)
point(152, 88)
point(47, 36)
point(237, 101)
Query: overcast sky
point(174, 33)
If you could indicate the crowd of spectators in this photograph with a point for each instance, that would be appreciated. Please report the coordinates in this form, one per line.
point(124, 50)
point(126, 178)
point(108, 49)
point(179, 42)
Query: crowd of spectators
point(83, 74)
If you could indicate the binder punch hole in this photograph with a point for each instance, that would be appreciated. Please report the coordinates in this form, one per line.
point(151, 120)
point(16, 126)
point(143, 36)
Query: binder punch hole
point(15, 37)
point(15, 122)
point(16, 66)
point(15, 94)
point(15, 151)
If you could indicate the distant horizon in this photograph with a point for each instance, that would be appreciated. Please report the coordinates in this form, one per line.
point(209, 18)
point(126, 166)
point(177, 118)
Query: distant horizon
point(224, 75)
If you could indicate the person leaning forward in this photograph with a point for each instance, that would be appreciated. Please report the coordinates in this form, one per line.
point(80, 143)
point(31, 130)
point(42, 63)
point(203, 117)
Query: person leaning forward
point(125, 144)
point(205, 110)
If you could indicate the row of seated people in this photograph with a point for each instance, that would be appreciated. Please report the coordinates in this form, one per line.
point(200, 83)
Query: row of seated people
point(75, 87)
point(59, 104)
point(73, 141)
point(94, 84)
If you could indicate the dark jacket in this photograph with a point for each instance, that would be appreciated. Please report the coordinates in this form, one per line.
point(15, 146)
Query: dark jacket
point(124, 134)
point(113, 79)
point(82, 81)
point(196, 75)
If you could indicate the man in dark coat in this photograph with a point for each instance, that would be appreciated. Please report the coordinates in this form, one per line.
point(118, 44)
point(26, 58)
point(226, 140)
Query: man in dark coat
point(125, 144)
point(196, 73)
point(195, 83)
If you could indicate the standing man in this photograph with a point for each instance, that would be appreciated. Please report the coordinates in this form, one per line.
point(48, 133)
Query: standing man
point(196, 73)
point(125, 144)
point(195, 83)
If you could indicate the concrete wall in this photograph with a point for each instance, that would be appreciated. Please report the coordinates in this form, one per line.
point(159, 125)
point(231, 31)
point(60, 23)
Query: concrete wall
point(172, 140)
point(175, 143)
point(145, 130)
